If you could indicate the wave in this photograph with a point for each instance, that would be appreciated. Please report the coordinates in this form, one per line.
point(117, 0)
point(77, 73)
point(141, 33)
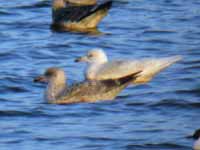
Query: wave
point(159, 32)
point(40, 4)
point(175, 103)
point(162, 146)
point(2, 12)
point(16, 113)
point(13, 89)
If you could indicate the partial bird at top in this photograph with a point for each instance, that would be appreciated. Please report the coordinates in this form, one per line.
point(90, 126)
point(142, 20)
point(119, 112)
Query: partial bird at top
point(99, 68)
point(57, 91)
point(79, 15)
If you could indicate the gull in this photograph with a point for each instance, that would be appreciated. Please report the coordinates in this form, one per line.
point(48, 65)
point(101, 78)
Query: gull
point(196, 136)
point(99, 68)
point(57, 91)
point(79, 15)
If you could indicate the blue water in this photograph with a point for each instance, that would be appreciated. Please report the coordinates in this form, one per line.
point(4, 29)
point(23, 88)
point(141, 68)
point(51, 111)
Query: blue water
point(157, 116)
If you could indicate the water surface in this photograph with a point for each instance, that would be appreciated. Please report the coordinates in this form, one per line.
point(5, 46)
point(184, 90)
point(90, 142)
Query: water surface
point(157, 116)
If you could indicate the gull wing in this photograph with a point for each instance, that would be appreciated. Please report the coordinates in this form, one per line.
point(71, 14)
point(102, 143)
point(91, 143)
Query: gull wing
point(147, 67)
point(118, 69)
point(91, 91)
point(75, 13)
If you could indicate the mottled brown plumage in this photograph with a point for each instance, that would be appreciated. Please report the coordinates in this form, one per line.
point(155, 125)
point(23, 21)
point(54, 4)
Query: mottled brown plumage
point(87, 91)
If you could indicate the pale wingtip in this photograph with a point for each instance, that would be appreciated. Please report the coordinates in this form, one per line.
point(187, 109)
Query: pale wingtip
point(174, 59)
point(178, 58)
point(170, 60)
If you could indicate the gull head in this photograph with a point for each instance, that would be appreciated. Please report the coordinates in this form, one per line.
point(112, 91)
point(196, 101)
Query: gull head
point(93, 56)
point(52, 74)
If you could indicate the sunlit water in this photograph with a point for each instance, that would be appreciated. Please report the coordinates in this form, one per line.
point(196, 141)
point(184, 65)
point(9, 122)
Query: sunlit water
point(157, 116)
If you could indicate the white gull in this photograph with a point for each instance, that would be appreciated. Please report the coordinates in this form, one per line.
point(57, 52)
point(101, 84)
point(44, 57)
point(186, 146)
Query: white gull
point(99, 68)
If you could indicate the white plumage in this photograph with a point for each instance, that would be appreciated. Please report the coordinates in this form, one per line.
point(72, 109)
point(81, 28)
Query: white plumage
point(99, 68)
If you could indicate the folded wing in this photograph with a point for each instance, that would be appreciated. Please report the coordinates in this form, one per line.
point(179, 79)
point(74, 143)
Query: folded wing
point(91, 91)
point(147, 67)
point(75, 13)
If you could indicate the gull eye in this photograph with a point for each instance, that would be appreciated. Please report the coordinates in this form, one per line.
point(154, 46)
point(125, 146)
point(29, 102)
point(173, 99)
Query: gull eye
point(90, 55)
point(50, 73)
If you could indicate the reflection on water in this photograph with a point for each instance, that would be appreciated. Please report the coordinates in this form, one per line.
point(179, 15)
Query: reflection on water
point(158, 115)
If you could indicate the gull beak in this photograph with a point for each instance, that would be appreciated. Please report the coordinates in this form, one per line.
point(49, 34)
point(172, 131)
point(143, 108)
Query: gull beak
point(41, 79)
point(81, 59)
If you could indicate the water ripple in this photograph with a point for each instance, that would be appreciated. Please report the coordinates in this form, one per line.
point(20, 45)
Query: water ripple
point(154, 116)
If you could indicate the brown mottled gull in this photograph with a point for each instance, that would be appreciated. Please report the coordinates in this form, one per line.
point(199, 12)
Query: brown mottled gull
point(57, 91)
point(79, 15)
point(99, 68)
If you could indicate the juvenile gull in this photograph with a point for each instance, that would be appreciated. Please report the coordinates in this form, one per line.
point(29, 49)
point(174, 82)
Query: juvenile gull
point(99, 68)
point(58, 92)
point(79, 15)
